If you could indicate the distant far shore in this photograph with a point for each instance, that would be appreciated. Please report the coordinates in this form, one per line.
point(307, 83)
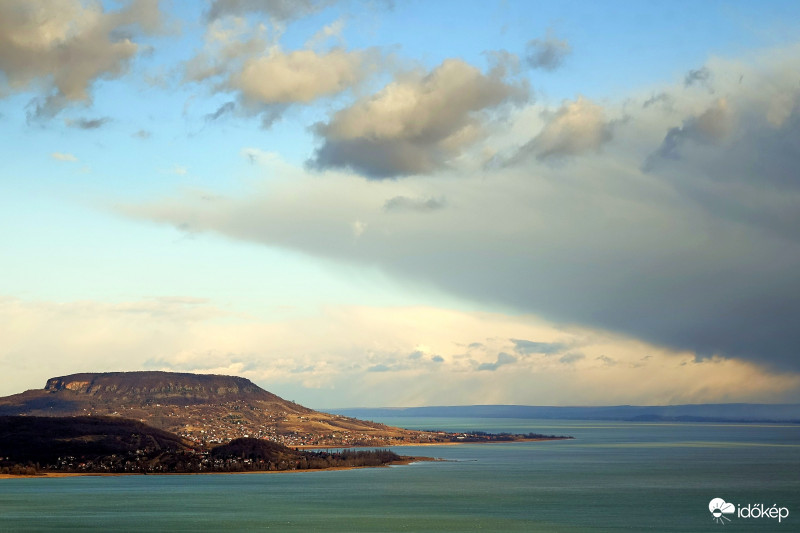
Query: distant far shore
point(63, 446)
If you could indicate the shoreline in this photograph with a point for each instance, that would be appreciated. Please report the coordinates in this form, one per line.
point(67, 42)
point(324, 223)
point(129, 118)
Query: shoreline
point(401, 462)
point(405, 460)
point(456, 443)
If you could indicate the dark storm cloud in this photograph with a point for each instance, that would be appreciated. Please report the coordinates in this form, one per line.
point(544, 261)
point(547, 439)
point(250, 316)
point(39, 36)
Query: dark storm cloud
point(701, 253)
point(751, 178)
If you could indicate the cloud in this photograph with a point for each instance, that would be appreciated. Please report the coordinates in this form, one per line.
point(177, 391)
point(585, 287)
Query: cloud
point(60, 49)
point(576, 127)
point(299, 76)
point(606, 360)
point(661, 98)
point(700, 76)
point(548, 53)
point(417, 123)
point(227, 44)
point(421, 205)
point(698, 254)
point(87, 124)
point(709, 127)
point(359, 228)
point(241, 58)
point(59, 156)
point(571, 358)
point(734, 156)
point(225, 109)
point(502, 360)
point(359, 355)
point(143, 134)
point(396, 361)
point(528, 347)
point(331, 31)
point(280, 10)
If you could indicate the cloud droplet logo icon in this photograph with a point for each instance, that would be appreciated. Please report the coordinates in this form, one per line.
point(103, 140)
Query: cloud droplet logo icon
point(719, 508)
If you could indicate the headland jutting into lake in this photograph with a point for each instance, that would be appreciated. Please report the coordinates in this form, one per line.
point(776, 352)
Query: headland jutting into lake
point(162, 422)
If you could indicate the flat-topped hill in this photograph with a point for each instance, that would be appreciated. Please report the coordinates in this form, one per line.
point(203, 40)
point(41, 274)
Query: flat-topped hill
point(202, 407)
point(163, 387)
point(212, 409)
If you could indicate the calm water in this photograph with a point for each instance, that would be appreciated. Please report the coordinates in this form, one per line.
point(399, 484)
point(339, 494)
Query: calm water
point(612, 477)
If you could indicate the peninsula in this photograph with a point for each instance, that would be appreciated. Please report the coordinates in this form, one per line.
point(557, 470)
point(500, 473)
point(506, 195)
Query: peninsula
point(34, 446)
point(208, 410)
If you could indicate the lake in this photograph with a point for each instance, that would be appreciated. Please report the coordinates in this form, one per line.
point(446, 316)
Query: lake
point(614, 476)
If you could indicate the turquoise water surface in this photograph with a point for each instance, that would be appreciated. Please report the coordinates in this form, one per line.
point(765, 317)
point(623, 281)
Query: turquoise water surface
point(614, 476)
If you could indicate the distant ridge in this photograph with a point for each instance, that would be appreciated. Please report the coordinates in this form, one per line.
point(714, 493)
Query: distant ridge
point(728, 412)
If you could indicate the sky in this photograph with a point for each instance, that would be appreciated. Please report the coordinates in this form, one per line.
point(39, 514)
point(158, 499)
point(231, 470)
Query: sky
point(376, 203)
